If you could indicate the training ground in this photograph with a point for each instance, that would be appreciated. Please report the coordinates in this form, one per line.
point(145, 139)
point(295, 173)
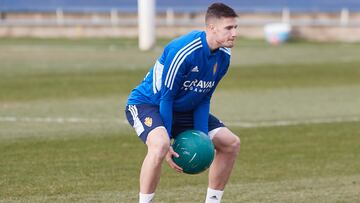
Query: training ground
point(63, 135)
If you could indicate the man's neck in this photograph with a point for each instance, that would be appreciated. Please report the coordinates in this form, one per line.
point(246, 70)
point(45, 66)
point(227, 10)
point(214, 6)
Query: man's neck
point(213, 45)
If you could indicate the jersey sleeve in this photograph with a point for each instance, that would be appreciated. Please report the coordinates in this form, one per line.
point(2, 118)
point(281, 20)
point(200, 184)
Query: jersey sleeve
point(201, 116)
point(201, 113)
point(174, 69)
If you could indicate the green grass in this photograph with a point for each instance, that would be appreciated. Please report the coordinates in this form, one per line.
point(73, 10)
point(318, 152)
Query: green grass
point(106, 82)
point(87, 68)
point(292, 76)
point(63, 137)
point(95, 163)
point(67, 85)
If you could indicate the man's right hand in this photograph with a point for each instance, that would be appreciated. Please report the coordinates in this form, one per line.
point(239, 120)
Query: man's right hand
point(171, 162)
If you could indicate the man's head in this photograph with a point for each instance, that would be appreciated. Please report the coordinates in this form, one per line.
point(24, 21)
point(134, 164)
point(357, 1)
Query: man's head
point(221, 25)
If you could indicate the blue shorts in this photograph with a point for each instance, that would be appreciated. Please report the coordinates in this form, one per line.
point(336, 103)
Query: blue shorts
point(144, 118)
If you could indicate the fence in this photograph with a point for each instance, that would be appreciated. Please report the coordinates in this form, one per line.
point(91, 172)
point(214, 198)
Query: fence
point(170, 18)
point(114, 23)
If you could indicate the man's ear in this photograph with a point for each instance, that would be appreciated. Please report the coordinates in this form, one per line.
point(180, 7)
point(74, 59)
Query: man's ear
point(211, 27)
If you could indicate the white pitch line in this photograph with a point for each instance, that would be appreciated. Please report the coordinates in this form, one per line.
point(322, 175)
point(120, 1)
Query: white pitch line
point(57, 120)
point(254, 124)
point(293, 122)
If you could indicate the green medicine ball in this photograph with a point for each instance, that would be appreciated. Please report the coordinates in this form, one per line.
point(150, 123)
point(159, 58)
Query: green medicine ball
point(195, 149)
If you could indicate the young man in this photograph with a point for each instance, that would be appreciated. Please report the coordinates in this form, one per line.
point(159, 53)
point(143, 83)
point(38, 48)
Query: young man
point(175, 96)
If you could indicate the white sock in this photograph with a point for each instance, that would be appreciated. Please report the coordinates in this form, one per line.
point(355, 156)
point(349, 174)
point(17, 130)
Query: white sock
point(146, 198)
point(213, 196)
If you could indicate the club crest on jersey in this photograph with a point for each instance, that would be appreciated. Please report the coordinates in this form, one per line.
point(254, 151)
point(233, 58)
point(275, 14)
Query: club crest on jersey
point(148, 121)
point(215, 68)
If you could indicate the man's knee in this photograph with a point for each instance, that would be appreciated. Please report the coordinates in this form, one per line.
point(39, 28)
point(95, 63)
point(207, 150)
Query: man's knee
point(228, 142)
point(233, 145)
point(158, 144)
point(236, 144)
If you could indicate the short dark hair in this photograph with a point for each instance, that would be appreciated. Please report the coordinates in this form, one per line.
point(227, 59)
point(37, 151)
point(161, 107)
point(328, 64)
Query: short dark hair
point(219, 10)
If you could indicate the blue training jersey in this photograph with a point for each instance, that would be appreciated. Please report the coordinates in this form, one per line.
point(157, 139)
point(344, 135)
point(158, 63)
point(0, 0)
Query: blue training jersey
point(183, 79)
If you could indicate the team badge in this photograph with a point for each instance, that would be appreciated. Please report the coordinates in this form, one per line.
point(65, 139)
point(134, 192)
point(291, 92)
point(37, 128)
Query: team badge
point(148, 121)
point(215, 68)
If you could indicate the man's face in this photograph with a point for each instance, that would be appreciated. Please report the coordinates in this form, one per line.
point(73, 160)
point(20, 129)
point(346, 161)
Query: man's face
point(225, 30)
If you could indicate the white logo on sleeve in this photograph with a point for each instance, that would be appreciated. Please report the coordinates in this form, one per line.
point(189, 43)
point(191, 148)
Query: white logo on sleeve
point(195, 69)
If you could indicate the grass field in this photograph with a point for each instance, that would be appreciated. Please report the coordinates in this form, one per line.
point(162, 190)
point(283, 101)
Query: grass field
point(63, 136)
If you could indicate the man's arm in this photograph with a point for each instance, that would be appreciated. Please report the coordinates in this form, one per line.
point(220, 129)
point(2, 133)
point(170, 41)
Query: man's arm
point(201, 116)
point(201, 113)
point(172, 75)
point(166, 111)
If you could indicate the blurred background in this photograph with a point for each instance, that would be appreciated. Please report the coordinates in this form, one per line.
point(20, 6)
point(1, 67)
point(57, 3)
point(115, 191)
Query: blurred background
point(323, 20)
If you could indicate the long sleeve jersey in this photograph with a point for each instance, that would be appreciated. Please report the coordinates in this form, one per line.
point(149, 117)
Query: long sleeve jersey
point(183, 79)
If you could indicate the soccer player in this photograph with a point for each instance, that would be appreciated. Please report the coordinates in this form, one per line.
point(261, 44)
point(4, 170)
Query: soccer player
point(175, 96)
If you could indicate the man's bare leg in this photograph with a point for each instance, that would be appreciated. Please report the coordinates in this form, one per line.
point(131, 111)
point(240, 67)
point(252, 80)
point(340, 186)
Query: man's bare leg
point(227, 146)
